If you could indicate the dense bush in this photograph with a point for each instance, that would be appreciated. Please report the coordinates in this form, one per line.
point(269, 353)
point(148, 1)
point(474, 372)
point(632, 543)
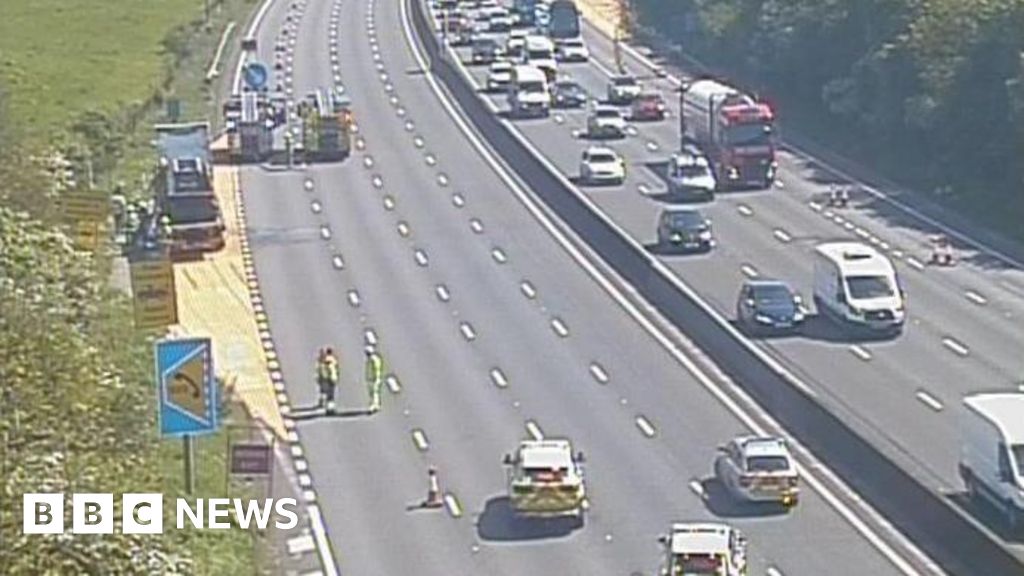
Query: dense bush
point(934, 85)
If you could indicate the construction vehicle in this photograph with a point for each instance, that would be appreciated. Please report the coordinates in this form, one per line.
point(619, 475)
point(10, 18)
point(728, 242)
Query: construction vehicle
point(545, 480)
point(185, 193)
point(326, 126)
point(704, 548)
point(250, 120)
point(734, 130)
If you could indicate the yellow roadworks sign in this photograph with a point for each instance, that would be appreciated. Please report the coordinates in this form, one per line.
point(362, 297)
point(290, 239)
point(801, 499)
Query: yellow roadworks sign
point(85, 206)
point(155, 299)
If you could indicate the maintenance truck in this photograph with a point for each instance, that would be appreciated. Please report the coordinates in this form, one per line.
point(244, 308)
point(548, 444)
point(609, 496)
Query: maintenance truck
point(734, 130)
point(327, 126)
point(250, 119)
point(185, 189)
point(545, 480)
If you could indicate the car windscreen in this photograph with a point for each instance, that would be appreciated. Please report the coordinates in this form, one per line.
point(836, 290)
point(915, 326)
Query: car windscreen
point(602, 158)
point(865, 287)
point(687, 220)
point(192, 210)
point(624, 82)
point(531, 86)
point(1018, 455)
point(767, 463)
point(608, 113)
point(692, 171)
point(772, 295)
point(542, 54)
point(568, 88)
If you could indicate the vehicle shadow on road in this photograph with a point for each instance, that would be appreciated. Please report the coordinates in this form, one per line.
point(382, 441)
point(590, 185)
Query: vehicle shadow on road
point(720, 503)
point(314, 412)
point(820, 327)
point(660, 249)
point(986, 515)
point(498, 523)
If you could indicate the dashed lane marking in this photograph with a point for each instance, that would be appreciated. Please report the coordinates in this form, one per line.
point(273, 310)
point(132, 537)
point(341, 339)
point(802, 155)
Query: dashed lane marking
point(421, 257)
point(403, 228)
point(781, 235)
point(476, 225)
point(976, 298)
point(467, 331)
point(598, 372)
point(453, 506)
point(697, 488)
point(393, 384)
point(645, 426)
point(370, 336)
point(325, 232)
point(533, 429)
point(337, 262)
point(745, 210)
point(559, 327)
point(442, 179)
point(957, 348)
point(353, 298)
point(860, 352)
point(749, 271)
point(389, 202)
point(498, 377)
point(442, 293)
point(915, 262)
point(929, 400)
point(527, 289)
point(499, 255)
point(419, 438)
point(458, 200)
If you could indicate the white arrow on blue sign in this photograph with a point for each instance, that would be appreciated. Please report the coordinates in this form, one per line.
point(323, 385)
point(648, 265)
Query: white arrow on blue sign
point(187, 390)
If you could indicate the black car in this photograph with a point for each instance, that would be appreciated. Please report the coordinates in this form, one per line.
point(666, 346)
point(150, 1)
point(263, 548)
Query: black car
point(686, 229)
point(485, 50)
point(568, 94)
point(769, 305)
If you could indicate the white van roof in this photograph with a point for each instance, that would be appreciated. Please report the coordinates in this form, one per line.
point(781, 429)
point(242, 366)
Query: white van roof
point(700, 538)
point(856, 259)
point(1004, 409)
point(529, 74)
point(539, 43)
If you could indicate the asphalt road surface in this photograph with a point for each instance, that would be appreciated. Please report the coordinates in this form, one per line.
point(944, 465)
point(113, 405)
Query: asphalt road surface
point(492, 333)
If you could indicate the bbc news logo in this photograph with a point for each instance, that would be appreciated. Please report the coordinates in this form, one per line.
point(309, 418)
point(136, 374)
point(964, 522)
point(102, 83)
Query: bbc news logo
point(144, 513)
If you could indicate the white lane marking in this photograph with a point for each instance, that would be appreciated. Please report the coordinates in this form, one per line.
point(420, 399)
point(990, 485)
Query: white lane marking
point(531, 203)
point(467, 331)
point(393, 384)
point(838, 219)
point(403, 228)
point(860, 352)
point(370, 336)
point(884, 245)
point(779, 183)
point(745, 210)
point(815, 206)
point(400, 112)
point(915, 262)
point(861, 232)
point(498, 377)
point(442, 293)
point(418, 142)
point(644, 189)
point(897, 254)
point(458, 200)
point(476, 225)
point(559, 327)
point(389, 202)
point(353, 298)
point(697, 488)
point(533, 429)
point(652, 146)
point(368, 161)
point(957, 348)
point(527, 289)
point(559, 119)
point(419, 438)
point(781, 235)
point(421, 257)
point(645, 426)
point(598, 372)
point(410, 126)
point(378, 181)
point(316, 521)
point(325, 232)
point(749, 271)
point(338, 262)
point(360, 143)
point(452, 504)
point(499, 255)
point(442, 179)
point(849, 225)
point(383, 76)
point(308, 184)
point(929, 400)
point(773, 571)
point(976, 298)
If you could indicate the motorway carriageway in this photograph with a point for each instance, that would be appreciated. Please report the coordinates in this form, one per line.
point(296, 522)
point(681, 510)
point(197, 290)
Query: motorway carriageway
point(964, 332)
point(491, 333)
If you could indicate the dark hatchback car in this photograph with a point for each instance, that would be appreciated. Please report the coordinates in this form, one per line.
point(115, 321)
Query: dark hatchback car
point(769, 305)
point(485, 50)
point(685, 229)
point(568, 94)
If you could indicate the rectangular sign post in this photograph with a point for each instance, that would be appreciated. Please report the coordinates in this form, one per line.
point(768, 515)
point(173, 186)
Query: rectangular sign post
point(186, 394)
point(155, 300)
point(86, 213)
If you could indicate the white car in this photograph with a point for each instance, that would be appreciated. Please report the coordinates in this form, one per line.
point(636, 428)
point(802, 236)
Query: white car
point(623, 89)
point(758, 469)
point(499, 76)
point(601, 165)
point(606, 122)
point(704, 548)
point(572, 50)
point(499, 20)
point(690, 173)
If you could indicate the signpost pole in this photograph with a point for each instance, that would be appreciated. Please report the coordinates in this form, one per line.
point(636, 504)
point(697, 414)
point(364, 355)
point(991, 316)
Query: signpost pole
point(190, 463)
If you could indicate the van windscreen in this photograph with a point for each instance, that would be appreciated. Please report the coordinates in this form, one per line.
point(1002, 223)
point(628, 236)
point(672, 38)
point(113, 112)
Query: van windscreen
point(866, 287)
point(1018, 456)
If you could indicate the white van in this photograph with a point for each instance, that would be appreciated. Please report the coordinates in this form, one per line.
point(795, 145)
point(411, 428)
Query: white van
point(528, 94)
point(857, 285)
point(992, 452)
point(540, 53)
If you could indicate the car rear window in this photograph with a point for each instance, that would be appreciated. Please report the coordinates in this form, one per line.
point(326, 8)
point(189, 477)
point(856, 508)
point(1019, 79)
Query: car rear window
point(686, 219)
point(624, 82)
point(608, 113)
point(767, 463)
point(602, 157)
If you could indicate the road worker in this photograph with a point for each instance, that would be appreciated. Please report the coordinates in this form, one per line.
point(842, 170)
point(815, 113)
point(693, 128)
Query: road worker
point(374, 377)
point(327, 378)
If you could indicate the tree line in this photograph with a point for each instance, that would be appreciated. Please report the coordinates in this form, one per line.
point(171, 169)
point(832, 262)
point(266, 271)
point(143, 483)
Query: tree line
point(932, 90)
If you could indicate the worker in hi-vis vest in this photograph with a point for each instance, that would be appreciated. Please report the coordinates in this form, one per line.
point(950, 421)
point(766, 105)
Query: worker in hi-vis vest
point(327, 378)
point(374, 377)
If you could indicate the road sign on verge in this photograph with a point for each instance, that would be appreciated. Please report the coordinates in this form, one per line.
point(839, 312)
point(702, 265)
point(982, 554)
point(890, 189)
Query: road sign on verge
point(251, 459)
point(155, 299)
point(85, 206)
point(187, 390)
point(256, 76)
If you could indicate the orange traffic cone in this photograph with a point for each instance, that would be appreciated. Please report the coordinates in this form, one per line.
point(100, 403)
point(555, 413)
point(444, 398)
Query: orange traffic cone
point(433, 490)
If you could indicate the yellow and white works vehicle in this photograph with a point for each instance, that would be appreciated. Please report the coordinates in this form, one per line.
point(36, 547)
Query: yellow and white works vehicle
point(704, 549)
point(545, 480)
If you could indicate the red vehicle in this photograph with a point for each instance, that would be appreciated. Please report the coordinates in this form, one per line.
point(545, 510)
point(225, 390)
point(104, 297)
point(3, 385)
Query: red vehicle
point(648, 106)
point(735, 130)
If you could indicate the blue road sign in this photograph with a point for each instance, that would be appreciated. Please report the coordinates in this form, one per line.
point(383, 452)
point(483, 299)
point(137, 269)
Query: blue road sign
point(256, 76)
point(186, 387)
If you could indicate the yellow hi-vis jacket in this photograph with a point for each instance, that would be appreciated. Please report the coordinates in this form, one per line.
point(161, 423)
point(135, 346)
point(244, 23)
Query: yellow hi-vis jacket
point(327, 369)
point(374, 368)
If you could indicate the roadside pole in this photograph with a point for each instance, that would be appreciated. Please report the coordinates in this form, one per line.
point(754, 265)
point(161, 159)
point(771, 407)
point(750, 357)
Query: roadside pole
point(190, 463)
